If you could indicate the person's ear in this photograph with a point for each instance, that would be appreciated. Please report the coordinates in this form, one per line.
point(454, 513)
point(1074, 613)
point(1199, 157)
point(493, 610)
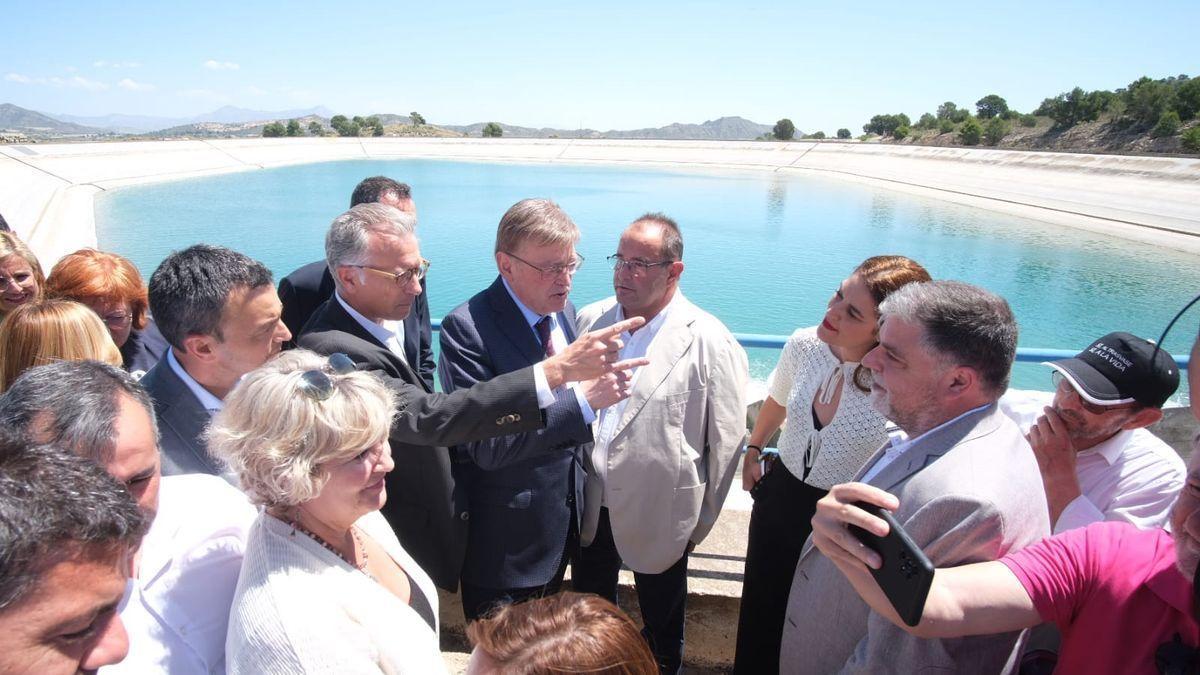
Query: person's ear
point(504, 263)
point(1143, 418)
point(201, 347)
point(349, 278)
point(960, 380)
point(675, 270)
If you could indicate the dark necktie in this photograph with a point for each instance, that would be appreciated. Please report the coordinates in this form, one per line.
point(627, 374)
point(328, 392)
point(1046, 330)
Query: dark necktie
point(543, 331)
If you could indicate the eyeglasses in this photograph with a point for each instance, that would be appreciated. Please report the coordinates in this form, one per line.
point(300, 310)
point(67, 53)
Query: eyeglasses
point(317, 385)
point(404, 277)
point(117, 319)
point(635, 266)
point(1061, 382)
point(20, 279)
point(554, 271)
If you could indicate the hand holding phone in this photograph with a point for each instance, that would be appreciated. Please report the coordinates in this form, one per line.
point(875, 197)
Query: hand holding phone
point(906, 573)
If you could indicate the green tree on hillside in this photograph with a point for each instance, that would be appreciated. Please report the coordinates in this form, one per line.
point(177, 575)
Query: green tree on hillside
point(273, 130)
point(843, 133)
point(901, 132)
point(315, 129)
point(492, 130)
point(375, 126)
point(1187, 99)
point(1191, 139)
point(345, 127)
point(1071, 108)
point(1168, 125)
point(927, 121)
point(970, 132)
point(945, 126)
point(784, 130)
point(947, 110)
point(886, 125)
point(990, 106)
point(416, 118)
point(1146, 100)
point(293, 128)
point(817, 136)
point(996, 130)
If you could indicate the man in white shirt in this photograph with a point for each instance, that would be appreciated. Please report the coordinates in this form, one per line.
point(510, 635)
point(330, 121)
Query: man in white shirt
point(176, 604)
point(1097, 459)
point(665, 457)
point(219, 312)
point(968, 484)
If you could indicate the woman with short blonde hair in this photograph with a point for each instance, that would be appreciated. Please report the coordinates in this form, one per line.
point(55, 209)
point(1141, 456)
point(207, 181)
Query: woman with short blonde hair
point(43, 332)
point(325, 585)
point(21, 277)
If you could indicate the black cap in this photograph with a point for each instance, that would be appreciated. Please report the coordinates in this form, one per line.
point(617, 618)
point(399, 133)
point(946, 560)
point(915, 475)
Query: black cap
point(1122, 368)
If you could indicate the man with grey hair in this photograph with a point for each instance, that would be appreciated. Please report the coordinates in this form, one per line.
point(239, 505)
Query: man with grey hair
point(967, 481)
point(305, 289)
point(373, 253)
point(177, 606)
point(523, 492)
point(219, 312)
point(68, 533)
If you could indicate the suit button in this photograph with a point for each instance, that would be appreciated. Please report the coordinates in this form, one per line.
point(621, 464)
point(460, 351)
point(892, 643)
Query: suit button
point(464, 516)
point(571, 501)
point(499, 421)
point(516, 418)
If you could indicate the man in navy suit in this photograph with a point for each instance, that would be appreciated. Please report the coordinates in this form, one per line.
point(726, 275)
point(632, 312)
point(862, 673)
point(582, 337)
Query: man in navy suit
point(523, 492)
point(305, 289)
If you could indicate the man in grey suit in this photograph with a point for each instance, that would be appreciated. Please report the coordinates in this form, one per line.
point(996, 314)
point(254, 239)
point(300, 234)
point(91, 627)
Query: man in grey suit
point(219, 312)
point(967, 481)
point(663, 459)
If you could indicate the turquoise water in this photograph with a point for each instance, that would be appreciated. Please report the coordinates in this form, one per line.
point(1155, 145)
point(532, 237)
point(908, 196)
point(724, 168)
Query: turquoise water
point(763, 251)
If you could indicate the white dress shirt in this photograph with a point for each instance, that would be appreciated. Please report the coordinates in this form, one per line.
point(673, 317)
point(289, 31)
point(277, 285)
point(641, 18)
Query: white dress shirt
point(1133, 476)
point(901, 443)
point(636, 346)
point(559, 339)
point(390, 333)
point(209, 402)
point(176, 610)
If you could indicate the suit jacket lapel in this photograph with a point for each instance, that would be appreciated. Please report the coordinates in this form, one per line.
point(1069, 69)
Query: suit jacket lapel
point(186, 416)
point(339, 319)
point(936, 444)
point(672, 342)
point(512, 322)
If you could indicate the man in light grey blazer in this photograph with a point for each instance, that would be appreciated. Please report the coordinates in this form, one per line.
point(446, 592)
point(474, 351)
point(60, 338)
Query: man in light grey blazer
point(663, 460)
point(967, 481)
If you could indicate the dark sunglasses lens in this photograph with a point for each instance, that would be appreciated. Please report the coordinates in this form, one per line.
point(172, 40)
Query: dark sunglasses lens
point(316, 385)
point(341, 364)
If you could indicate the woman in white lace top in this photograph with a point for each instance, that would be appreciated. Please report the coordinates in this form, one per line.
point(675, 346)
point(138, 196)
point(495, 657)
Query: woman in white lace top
point(822, 391)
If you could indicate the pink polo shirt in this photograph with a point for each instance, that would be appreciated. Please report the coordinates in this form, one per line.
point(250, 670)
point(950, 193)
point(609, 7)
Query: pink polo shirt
point(1114, 593)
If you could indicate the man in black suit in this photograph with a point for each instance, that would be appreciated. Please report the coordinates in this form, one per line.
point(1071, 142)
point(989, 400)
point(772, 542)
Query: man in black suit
point(303, 291)
point(373, 252)
point(219, 312)
point(523, 491)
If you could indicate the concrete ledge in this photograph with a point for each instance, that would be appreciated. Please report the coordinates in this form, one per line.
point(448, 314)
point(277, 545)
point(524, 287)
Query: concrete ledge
point(46, 190)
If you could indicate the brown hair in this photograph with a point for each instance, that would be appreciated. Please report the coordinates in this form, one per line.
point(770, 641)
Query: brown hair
point(538, 221)
point(37, 333)
point(883, 275)
point(88, 273)
point(11, 245)
point(564, 633)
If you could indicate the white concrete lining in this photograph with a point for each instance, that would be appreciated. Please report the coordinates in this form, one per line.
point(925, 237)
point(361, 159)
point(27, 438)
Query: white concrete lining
point(47, 190)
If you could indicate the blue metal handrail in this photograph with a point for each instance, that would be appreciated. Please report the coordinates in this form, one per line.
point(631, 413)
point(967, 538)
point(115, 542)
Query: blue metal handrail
point(1024, 354)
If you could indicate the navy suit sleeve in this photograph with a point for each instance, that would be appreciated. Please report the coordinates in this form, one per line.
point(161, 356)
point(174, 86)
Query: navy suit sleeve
point(465, 362)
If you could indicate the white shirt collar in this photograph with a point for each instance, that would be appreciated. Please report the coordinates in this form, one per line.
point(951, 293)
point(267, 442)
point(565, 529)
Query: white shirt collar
point(651, 327)
point(531, 317)
point(211, 403)
point(1112, 448)
point(382, 332)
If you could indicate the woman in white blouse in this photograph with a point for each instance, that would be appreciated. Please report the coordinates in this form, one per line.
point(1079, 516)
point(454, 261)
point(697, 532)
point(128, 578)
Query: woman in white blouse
point(325, 585)
point(820, 388)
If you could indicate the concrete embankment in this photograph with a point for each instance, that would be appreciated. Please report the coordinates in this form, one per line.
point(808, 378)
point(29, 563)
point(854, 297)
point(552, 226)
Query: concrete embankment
point(46, 190)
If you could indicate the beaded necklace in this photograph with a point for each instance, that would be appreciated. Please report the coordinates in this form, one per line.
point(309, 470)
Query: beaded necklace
point(361, 567)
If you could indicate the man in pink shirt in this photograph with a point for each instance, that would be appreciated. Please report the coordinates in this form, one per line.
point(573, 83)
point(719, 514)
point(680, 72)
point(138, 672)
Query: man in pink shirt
point(1122, 597)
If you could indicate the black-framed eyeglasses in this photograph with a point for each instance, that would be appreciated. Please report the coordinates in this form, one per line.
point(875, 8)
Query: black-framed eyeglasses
point(635, 266)
point(401, 278)
point(553, 271)
point(317, 385)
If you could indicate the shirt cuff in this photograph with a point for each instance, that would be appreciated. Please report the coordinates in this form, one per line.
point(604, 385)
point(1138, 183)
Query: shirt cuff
point(545, 395)
point(589, 415)
point(1081, 512)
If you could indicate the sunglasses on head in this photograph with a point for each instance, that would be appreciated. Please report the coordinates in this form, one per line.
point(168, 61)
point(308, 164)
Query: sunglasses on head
point(317, 385)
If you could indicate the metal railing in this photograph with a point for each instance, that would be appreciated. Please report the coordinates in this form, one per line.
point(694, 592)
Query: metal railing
point(1024, 354)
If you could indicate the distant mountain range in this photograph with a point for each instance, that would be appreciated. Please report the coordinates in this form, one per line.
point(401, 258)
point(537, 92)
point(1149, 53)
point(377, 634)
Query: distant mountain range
point(234, 121)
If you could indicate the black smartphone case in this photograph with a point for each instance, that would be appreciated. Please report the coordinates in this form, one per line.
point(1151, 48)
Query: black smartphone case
point(906, 573)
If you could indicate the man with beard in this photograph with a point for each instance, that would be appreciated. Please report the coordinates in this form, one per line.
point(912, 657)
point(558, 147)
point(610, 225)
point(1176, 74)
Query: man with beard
point(1097, 459)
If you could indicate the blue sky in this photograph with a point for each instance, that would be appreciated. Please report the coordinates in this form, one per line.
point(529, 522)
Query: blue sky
point(609, 65)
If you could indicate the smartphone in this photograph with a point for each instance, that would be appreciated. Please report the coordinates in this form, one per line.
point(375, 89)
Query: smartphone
point(906, 573)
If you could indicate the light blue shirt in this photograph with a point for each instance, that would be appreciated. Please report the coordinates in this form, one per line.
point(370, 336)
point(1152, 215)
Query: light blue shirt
point(209, 402)
point(559, 339)
point(901, 443)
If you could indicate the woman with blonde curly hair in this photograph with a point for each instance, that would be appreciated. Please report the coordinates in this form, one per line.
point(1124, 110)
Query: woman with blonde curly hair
point(113, 288)
point(563, 633)
point(37, 333)
point(21, 277)
point(325, 585)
